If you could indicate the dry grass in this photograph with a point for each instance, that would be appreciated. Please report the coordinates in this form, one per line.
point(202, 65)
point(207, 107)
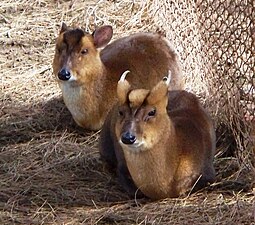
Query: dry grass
point(50, 171)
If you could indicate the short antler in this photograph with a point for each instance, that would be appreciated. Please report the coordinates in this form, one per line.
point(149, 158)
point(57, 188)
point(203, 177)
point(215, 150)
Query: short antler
point(123, 87)
point(123, 76)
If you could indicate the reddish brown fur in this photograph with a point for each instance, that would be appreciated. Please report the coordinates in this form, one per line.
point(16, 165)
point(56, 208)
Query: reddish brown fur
point(90, 94)
point(178, 142)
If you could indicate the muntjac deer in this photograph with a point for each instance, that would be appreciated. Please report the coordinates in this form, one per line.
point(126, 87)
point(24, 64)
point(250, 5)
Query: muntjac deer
point(88, 77)
point(160, 142)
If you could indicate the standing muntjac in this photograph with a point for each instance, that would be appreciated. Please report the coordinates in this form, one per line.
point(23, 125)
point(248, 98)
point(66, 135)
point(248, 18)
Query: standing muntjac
point(159, 141)
point(88, 77)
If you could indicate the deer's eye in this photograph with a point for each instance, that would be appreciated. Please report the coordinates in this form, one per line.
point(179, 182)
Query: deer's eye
point(152, 113)
point(84, 51)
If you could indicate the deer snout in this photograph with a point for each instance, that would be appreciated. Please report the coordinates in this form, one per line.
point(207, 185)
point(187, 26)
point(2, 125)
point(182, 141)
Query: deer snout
point(64, 74)
point(128, 138)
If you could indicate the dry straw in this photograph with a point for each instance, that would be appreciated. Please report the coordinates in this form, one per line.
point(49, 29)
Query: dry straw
point(50, 169)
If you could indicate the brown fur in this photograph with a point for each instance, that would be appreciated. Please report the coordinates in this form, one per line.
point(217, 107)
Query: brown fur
point(178, 142)
point(92, 93)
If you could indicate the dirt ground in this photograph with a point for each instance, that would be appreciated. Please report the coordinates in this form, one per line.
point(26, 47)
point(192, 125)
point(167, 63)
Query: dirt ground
point(50, 170)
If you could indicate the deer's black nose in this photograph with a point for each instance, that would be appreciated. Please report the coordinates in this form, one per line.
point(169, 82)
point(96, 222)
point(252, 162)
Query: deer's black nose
point(128, 138)
point(64, 74)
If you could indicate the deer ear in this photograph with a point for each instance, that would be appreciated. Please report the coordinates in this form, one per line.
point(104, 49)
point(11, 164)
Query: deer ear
point(64, 27)
point(159, 92)
point(123, 88)
point(102, 36)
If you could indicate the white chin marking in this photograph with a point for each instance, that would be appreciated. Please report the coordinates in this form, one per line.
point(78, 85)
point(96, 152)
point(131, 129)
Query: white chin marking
point(138, 146)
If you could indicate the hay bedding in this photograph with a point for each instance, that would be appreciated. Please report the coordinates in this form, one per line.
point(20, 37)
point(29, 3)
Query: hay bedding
point(50, 171)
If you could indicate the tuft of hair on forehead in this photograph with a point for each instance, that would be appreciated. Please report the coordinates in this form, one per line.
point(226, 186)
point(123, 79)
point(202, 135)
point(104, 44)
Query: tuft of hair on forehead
point(137, 97)
point(73, 36)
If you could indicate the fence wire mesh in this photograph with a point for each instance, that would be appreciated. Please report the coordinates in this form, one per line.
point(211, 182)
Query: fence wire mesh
point(227, 29)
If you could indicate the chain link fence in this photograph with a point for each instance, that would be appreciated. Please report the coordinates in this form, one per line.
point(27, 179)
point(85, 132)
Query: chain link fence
point(227, 29)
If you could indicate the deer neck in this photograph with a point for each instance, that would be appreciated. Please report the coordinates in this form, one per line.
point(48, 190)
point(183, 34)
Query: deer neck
point(89, 103)
point(153, 169)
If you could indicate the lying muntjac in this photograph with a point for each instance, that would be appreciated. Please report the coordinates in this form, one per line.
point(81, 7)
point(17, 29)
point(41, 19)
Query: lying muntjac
point(88, 76)
point(160, 142)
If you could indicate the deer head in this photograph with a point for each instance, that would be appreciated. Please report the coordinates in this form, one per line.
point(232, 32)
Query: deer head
point(141, 114)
